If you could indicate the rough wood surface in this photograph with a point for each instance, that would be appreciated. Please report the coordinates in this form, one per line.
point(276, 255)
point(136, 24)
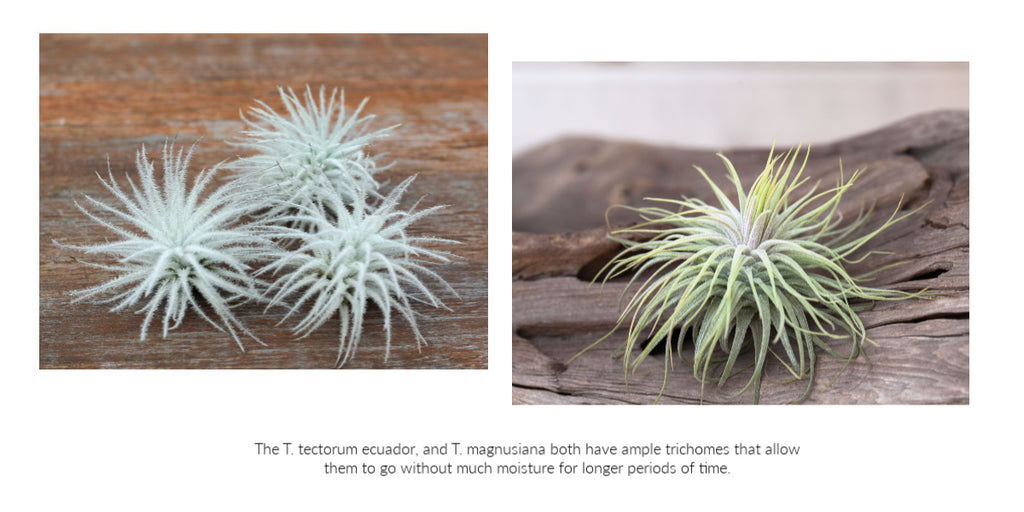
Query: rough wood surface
point(103, 96)
point(561, 192)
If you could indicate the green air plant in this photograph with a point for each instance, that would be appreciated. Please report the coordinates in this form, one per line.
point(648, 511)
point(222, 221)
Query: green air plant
point(765, 274)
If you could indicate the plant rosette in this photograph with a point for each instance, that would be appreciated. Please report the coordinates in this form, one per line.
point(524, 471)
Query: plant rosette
point(350, 258)
point(309, 154)
point(175, 249)
point(766, 274)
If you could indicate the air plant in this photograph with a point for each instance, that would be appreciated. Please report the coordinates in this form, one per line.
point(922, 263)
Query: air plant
point(348, 257)
point(175, 249)
point(313, 152)
point(766, 274)
point(307, 201)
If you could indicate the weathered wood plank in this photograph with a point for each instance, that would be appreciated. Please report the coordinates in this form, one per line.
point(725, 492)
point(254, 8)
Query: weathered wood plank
point(105, 95)
point(560, 195)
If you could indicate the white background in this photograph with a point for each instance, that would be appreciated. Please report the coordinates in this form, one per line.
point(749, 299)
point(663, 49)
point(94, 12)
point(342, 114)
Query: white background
point(719, 105)
point(167, 440)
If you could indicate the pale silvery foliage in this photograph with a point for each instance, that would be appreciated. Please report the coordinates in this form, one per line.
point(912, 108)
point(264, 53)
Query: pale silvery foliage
point(351, 258)
point(312, 152)
point(174, 247)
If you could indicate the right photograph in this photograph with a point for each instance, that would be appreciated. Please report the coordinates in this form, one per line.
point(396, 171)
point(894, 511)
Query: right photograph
point(740, 233)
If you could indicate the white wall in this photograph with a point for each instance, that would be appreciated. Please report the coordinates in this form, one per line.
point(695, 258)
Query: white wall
point(721, 105)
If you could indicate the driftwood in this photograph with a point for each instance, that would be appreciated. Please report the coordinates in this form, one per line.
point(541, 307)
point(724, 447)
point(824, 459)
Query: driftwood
point(561, 193)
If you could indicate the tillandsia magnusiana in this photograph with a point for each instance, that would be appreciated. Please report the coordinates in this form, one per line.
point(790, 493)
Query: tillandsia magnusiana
point(313, 152)
point(767, 273)
point(175, 247)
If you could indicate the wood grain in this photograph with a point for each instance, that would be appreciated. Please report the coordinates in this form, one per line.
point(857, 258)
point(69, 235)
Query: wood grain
point(103, 96)
point(562, 190)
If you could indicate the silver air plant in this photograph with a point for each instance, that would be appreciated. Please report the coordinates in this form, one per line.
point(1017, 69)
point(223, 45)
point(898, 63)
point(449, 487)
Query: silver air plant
point(174, 248)
point(353, 258)
point(316, 151)
point(305, 208)
point(765, 274)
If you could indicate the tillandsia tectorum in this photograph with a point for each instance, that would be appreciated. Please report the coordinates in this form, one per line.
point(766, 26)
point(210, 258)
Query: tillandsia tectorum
point(351, 258)
point(306, 207)
point(316, 151)
point(766, 274)
point(175, 247)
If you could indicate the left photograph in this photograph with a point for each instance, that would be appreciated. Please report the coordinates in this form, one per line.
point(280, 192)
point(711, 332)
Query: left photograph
point(263, 201)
